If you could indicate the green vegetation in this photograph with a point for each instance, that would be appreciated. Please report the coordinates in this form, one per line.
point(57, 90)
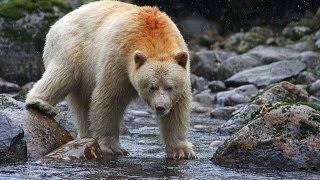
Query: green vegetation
point(308, 128)
point(17, 28)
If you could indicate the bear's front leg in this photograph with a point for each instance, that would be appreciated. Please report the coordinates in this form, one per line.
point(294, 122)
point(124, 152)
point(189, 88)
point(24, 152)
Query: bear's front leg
point(174, 129)
point(106, 113)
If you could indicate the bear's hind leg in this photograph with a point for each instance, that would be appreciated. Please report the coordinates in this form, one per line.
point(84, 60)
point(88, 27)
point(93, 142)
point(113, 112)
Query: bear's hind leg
point(55, 84)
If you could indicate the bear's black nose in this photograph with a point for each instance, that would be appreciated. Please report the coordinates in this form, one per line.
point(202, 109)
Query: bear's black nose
point(160, 109)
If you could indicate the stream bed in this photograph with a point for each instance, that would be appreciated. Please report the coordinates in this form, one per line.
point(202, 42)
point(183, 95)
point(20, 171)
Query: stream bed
point(147, 157)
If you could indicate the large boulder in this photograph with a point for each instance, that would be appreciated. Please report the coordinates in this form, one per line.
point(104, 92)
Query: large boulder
point(42, 133)
point(267, 74)
point(281, 93)
point(270, 54)
point(206, 63)
point(12, 144)
point(23, 26)
point(8, 87)
point(242, 42)
point(236, 64)
point(284, 137)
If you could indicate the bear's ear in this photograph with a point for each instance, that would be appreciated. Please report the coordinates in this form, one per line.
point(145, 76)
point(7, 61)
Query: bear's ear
point(182, 58)
point(139, 58)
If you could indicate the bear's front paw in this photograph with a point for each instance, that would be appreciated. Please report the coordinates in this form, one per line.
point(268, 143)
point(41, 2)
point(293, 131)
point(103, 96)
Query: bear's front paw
point(184, 151)
point(114, 149)
point(41, 105)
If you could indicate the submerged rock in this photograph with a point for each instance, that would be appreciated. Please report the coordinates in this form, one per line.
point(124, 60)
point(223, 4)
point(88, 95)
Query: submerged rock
point(267, 74)
point(80, 149)
point(285, 137)
point(13, 147)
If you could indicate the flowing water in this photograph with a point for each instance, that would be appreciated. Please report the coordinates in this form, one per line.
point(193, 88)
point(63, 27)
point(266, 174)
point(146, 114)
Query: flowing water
point(147, 158)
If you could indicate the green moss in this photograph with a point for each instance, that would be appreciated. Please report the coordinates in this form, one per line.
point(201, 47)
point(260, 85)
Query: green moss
point(21, 96)
point(307, 129)
point(15, 9)
point(277, 129)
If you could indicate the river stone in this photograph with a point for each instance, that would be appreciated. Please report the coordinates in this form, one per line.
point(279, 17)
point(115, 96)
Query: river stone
point(205, 97)
point(205, 63)
point(239, 95)
point(42, 133)
point(222, 112)
point(295, 32)
point(286, 137)
point(7, 87)
point(80, 149)
point(315, 88)
point(236, 64)
point(198, 83)
point(216, 86)
point(267, 74)
point(12, 144)
point(270, 54)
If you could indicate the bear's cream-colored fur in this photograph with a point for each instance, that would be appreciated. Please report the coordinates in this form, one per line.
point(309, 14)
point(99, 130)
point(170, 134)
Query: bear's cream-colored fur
point(106, 53)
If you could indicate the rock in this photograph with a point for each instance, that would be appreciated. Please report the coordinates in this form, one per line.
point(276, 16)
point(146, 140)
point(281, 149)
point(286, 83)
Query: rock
point(314, 99)
point(236, 64)
point(205, 63)
point(239, 95)
point(286, 137)
point(7, 87)
point(311, 60)
point(317, 45)
point(23, 27)
point(205, 97)
point(305, 77)
point(216, 86)
point(12, 144)
point(242, 42)
point(302, 46)
point(28, 86)
point(315, 88)
point(296, 32)
point(270, 54)
point(215, 144)
point(199, 108)
point(267, 74)
point(239, 119)
point(80, 149)
point(42, 133)
point(281, 93)
point(223, 112)
point(198, 83)
point(202, 128)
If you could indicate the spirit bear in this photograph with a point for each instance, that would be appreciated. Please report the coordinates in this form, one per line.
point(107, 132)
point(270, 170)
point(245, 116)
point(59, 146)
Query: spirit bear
point(106, 53)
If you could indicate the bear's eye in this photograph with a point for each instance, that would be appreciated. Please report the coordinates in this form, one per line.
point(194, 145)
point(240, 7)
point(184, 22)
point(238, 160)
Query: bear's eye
point(152, 88)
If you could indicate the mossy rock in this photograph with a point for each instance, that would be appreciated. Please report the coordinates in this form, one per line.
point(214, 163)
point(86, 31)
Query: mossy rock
point(23, 27)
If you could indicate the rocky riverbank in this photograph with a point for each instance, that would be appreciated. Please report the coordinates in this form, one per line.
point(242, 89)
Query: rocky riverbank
point(256, 96)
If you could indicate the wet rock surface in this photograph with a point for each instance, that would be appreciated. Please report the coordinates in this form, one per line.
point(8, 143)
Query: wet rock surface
point(267, 74)
point(287, 137)
point(13, 147)
point(236, 96)
point(81, 149)
point(42, 134)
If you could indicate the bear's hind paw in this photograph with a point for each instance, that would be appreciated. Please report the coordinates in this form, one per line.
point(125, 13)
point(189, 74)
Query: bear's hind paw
point(181, 153)
point(114, 150)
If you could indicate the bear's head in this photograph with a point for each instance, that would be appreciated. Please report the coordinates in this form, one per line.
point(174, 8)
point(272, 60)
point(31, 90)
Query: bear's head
point(161, 83)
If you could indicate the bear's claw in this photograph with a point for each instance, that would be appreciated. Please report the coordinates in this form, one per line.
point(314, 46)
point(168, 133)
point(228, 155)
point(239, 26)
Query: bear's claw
point(114, 150)
point(42, 106)
point(181, 153)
